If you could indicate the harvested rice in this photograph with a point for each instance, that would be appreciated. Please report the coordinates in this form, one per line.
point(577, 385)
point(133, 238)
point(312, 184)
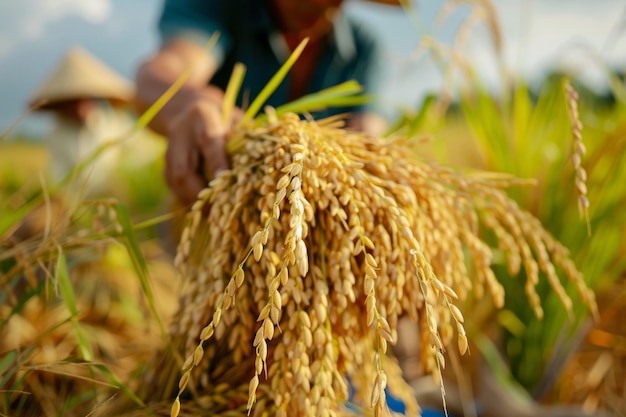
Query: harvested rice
point(315, 243)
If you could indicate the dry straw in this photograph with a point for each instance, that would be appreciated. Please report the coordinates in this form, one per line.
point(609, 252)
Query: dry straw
point(315, 243)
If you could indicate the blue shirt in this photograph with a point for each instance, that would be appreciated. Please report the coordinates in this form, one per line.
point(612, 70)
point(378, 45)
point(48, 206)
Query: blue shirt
point(249, 35)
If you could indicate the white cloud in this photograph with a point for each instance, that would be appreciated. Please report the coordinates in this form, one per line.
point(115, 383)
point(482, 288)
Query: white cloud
point(27, 20)
point(94, 11)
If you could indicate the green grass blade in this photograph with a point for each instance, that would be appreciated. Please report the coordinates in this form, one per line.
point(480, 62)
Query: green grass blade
point(65, 286)
point(69, 298)
point(499, 368)
point(417, 123)
point(146, 224)
point(301, 108)
point(274, 82)
point(6, 361)
point(6, 364)
point(346, 88)
point(344, 94)
point(131, 242)
point(114, 380)
point(232, 90)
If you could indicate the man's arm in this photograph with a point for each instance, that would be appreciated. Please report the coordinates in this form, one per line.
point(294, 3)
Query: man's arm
point(191, 121)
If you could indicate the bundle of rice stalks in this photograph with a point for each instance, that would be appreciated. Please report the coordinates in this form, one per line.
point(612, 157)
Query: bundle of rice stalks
point(300, 260)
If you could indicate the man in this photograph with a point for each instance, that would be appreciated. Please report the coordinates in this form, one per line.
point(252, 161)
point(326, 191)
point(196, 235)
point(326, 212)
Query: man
point(261, 34)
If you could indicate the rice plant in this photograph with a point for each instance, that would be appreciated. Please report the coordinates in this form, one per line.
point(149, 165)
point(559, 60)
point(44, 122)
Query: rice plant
point(572, 147)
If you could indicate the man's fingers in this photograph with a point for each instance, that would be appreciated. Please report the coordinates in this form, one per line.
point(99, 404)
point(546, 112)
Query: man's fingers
point(210, 136)
point(181, 164)
point(182, 179)
point(196, 149)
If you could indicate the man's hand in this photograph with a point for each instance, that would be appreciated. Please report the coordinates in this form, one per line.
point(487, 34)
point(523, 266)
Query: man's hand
point(196, 144)
point(191, 120)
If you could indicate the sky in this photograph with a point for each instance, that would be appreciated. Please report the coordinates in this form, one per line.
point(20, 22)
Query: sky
point(537, 35)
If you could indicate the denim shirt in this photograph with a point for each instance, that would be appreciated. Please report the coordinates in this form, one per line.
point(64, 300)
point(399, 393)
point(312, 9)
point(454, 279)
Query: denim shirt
point(249, 35)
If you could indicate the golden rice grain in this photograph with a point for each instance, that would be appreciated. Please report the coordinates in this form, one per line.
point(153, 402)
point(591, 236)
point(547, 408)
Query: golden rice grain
point(175, 408)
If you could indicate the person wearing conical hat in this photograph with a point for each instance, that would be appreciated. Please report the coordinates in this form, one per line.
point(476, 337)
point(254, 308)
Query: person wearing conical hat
point(81, 75)
point(90, 103)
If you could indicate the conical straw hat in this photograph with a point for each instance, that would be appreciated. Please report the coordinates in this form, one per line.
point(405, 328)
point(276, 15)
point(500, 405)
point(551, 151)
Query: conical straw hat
point(81, 75)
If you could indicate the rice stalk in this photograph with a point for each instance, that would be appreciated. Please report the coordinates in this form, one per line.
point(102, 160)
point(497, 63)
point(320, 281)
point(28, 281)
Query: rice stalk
point(578, 152)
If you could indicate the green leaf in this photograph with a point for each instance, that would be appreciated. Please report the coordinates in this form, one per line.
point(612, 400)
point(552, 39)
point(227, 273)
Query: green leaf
point(131, 242)
point(342, 95)
point(84, 346)
point(508, 320)
point(6, 362)
point(274, 82)
point(499, 369)
point(67, 294)
point(417, 122)
point(69, 298)
point(114, 380)
point(232, 90)
point(65, 286)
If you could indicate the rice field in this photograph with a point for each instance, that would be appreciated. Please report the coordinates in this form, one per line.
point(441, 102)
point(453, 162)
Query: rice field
point(107, 287)
point(493, 226)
